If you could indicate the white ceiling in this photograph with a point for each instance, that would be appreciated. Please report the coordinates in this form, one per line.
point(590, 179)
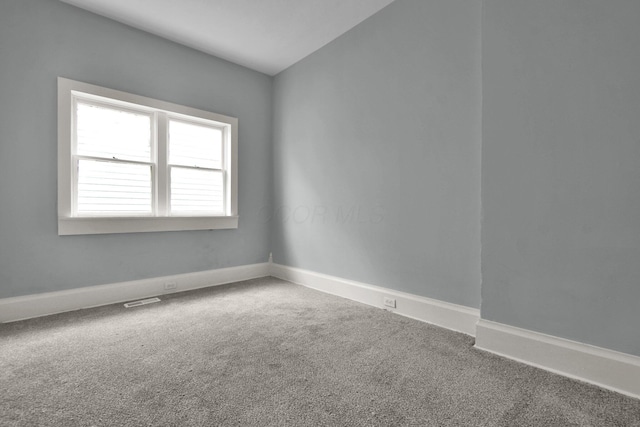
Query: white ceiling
point(265, 35)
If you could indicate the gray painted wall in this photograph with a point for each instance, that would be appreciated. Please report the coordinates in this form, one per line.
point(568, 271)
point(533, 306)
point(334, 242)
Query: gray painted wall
point(43, 39)
point(377, 153)
point(561, 168)
point(375, 166)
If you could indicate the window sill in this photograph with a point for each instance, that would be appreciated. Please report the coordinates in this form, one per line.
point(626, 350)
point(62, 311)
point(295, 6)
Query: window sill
point(112, 225)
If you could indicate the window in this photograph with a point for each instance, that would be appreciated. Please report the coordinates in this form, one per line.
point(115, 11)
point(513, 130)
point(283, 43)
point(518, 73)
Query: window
point(128, 163)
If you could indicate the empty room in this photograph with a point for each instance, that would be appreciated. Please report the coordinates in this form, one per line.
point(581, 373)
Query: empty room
point(319, 213)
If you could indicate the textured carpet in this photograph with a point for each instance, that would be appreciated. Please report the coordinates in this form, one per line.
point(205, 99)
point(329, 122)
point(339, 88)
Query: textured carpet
point(267, 352)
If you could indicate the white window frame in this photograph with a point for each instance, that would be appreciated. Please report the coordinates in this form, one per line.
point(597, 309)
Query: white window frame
point(69, 223)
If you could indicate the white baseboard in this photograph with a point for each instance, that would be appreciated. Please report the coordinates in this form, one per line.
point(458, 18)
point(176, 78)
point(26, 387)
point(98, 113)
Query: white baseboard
point(451, 316)
point(25, 307)
point(609, 369)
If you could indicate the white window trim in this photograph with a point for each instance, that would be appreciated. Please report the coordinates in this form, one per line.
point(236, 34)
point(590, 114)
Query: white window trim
point(70, 225)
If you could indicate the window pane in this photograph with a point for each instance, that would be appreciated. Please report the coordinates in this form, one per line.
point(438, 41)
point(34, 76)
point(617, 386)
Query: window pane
point(110, 132)
point(196, 191)
point(113, 188)
point(195, 145)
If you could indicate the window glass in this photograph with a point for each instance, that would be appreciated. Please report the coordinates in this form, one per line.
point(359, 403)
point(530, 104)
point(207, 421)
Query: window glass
point(112, 133)
point(195, 145)
point(113, 188)
point(196, 191)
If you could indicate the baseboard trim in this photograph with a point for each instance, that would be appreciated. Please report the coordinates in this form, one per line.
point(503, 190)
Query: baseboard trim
point(605, 368)
point(29, 306)
point(451, 316)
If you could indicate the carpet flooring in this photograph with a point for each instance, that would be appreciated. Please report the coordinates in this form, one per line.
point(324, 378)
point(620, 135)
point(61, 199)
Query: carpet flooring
point(269, 353)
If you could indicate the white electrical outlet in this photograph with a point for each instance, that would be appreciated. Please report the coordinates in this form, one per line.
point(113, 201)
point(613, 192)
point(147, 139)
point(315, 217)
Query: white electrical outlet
point(390, 302)
point(170, 286)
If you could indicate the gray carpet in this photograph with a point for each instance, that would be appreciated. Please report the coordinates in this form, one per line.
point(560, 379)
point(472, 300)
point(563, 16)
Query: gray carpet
point(267, 352)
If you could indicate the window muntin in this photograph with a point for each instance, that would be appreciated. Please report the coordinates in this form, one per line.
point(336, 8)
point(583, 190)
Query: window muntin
point(124, 157)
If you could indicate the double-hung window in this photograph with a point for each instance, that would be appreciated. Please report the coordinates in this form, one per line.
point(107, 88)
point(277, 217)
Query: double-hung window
point(128, 163)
